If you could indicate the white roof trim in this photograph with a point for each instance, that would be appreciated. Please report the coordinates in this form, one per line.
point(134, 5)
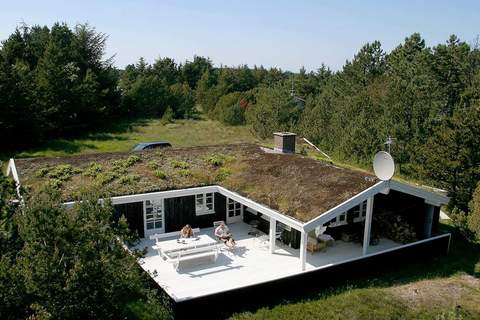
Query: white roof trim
point(346, 205)
point(12, 170)
point(432, 198)
point(158, 194)
point(296, 224)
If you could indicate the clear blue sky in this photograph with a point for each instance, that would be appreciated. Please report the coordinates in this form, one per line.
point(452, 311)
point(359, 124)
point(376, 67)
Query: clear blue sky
point(287, 34)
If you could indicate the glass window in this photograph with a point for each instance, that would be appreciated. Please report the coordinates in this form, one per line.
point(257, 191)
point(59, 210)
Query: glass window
point(154, 214)
point(234, 208)
point(204, 203)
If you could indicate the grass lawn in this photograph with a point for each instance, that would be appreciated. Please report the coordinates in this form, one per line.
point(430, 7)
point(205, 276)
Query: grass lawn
point(446, 287)
point(122, 136)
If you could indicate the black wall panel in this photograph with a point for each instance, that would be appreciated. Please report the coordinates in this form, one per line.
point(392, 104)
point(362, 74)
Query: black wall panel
point(180, 211)
point(133, 212)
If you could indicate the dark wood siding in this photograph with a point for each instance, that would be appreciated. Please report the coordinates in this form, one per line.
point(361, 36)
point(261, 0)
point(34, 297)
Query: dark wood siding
point(264, 225)
point(180, 211)
point(220, 207)
point(133, 212)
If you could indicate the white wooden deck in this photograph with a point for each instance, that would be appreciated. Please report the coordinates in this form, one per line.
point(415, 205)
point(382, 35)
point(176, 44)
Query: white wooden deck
point(250, 264)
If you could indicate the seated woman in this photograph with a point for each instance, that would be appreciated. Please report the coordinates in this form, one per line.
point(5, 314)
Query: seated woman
point(223, 233)
point(186, 232)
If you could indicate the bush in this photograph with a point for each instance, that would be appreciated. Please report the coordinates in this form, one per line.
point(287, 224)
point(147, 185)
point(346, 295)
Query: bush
point(93, 170)
point(228, 109)
point(222, 174)
point(66, 264)
point(216, 160)
point(183, 100)
point(62, 172)
point(177, 164)
point(184, 173)
point(167, 116)
point(129, 179)
point(160, 174)
point(473, 220)
point(121, 166)
point(42, 172)
point(273, 111)
point(104, 178)
point(152, 164)
point(131, 160)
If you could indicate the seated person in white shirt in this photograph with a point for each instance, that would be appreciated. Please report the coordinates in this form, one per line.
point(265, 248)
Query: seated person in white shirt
point(223, 233)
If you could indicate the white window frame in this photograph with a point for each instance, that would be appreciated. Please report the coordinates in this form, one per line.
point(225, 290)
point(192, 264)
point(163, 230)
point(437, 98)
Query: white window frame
point(360, 212)
point(158, 215)
point(339, 220)
point(203, 208)
point(238, 207)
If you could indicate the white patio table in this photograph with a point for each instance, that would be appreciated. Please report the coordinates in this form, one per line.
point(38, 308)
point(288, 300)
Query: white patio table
point(167, 246)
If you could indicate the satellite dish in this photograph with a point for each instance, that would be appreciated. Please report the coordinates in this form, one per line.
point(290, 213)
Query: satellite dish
point(383, 165)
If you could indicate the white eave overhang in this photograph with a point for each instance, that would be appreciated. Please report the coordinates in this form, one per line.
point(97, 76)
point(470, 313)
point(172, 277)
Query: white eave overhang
point(383, 187)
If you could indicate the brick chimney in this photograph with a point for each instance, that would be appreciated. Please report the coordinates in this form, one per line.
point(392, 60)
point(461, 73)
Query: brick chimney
point(284, 142)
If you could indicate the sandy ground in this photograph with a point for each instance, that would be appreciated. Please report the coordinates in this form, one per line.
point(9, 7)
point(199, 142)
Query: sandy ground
point(453, 292)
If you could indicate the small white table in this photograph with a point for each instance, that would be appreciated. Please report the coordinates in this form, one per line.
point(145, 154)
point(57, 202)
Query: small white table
point(173, 245)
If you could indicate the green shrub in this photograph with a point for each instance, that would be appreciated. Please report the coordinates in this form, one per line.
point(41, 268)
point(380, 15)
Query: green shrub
point(222, 174)
point(104, 178)
point(153, 164)
point(55, 183)
point(160, 174)
point(177, 164)
point(216, 160)
point(119, 167)
point(184, 173)
point(303, 151)
point(168, 116)
point(228, 109)
point(129, 179)
point(131, 160)
point(63, 172)
point(93, 169)
point(42, 172)
point(473, 221)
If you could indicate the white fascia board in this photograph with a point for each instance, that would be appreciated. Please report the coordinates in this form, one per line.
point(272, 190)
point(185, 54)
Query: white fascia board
point(296, 224)
point(12, 170)
point(432, 198)
point(158, 194)
point(192, 191)
point(346, 205)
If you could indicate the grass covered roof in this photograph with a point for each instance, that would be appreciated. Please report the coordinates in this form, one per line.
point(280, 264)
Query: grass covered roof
point(298, 186)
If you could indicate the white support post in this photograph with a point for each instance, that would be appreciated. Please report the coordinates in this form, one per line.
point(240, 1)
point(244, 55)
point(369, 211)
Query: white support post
point(303, 250)
point(368, 225)
point(272, 234)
